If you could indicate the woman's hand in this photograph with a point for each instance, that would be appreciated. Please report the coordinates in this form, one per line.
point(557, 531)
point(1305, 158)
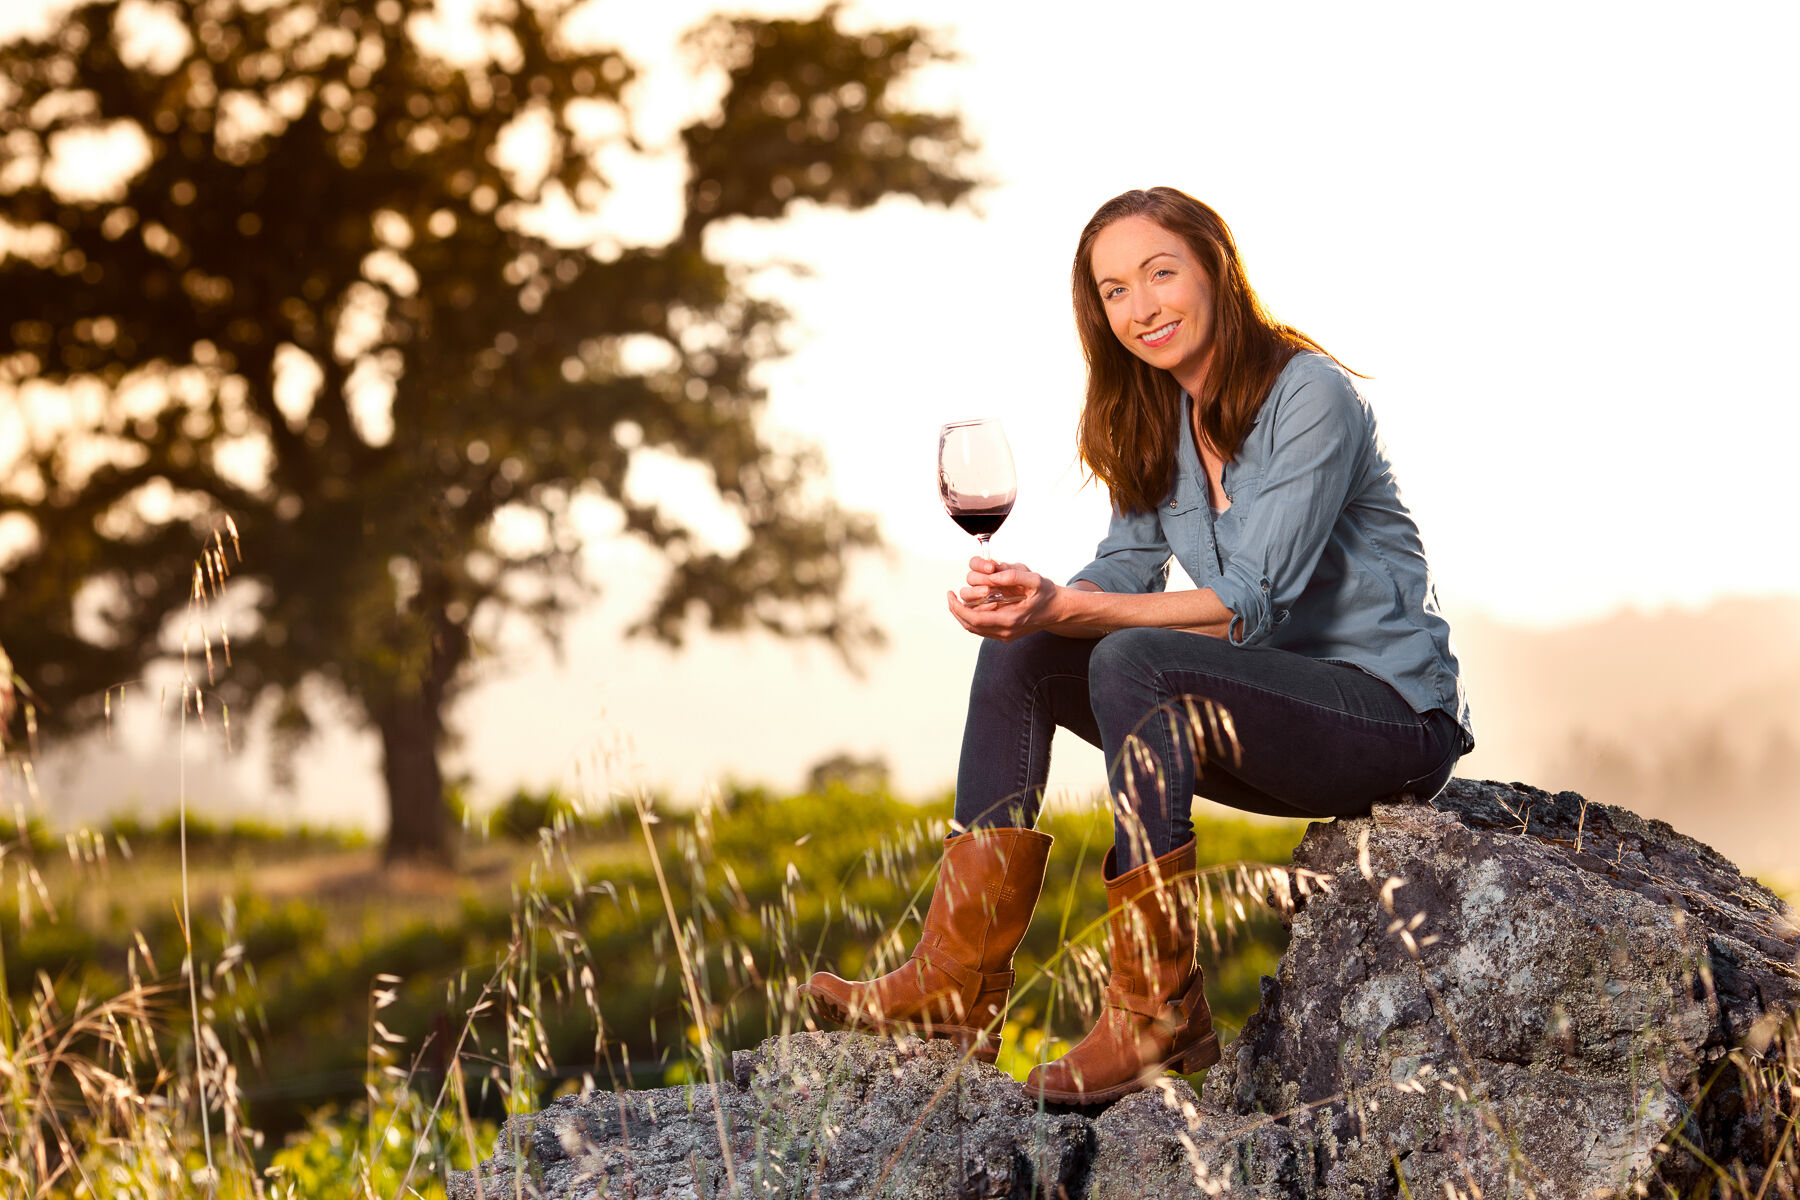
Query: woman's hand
point(1029, 603)
point(1026, 600)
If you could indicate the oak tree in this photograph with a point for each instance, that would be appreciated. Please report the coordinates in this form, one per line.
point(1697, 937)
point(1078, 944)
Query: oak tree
point(325, 302)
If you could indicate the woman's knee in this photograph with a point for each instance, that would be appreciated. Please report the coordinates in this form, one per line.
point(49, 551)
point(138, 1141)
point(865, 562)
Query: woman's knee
point(1005, 669)
point(1122, 681)
point(1125, 664)
point(1126, 674)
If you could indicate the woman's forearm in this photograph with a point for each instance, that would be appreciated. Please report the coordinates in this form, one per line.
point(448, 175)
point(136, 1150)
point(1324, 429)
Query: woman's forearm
point(1083, 610)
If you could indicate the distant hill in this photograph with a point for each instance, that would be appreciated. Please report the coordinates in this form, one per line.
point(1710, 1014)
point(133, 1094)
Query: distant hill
point(1689, 715)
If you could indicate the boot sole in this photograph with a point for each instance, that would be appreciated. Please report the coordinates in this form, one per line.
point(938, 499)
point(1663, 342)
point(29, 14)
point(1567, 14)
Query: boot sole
point(1195, 1057)
point(979, 1044)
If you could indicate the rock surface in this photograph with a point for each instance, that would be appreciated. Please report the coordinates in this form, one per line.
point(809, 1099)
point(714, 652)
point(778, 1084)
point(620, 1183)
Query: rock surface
point(815, 1114)
point(1500, 990)
point(1510, 987)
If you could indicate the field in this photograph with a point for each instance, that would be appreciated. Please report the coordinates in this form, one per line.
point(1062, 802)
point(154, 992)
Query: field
point(361, 1027)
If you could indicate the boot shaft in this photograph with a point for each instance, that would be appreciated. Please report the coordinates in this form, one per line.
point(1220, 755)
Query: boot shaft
point(1155, 1015)
point(987, 889)
point(1153, 923)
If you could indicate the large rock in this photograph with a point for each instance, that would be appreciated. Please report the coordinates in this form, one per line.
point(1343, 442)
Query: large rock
point(1514, 989)
point(1502, 992)
point(814, 1114)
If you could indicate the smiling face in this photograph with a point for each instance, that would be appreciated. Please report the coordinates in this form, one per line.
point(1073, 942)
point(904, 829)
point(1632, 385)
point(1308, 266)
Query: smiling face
point(1156, 296)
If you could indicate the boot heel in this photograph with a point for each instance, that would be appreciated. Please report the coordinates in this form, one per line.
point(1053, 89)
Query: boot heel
point(1197, 1057)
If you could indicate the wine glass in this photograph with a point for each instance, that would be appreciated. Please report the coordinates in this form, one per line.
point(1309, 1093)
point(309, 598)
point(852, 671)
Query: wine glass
point(976, 479)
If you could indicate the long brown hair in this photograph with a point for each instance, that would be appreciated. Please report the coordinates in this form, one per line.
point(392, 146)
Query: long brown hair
point(1130, 423)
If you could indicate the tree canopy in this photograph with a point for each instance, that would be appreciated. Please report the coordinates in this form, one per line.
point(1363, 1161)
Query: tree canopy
point(325, 306)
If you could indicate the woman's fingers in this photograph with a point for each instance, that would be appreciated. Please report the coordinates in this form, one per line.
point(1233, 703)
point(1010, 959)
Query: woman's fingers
point(1016, 580)
point(987, 597)
point(1008, 576)
point(961, 611)
point(985, 567)
point(999, 621)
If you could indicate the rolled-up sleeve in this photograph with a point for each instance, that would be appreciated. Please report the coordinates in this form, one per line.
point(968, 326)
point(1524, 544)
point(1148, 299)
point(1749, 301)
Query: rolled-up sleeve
point(1132, 557)
point(1319, 438)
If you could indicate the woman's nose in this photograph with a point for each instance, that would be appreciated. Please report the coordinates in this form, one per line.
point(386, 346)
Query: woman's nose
point(1144, 306)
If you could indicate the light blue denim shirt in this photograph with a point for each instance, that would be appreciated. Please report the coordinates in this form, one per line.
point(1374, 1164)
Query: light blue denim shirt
point(1317, 553)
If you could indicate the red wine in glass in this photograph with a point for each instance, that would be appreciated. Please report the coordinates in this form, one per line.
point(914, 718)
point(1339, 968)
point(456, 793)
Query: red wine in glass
point(976, 479)
point(981, 525)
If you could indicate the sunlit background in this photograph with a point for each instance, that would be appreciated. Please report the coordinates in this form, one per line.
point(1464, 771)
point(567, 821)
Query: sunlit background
point(1557, 239)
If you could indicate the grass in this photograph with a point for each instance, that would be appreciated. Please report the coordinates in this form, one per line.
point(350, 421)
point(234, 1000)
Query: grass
point(367, 1031)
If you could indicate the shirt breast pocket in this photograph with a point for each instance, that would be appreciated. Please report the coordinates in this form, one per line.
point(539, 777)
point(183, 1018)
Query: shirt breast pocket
point(1176, 513)
point(1243, 487)
point(1185, 531)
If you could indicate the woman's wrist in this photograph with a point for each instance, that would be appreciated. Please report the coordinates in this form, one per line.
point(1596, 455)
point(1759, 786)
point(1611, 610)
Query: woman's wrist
point(1084, 609)
point(1070, 609)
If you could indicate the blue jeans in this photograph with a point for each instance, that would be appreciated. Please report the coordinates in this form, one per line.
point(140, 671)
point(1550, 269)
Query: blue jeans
point(1305, 737)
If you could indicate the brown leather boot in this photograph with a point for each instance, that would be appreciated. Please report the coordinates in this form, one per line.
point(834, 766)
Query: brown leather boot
point(1156, 1018)
point(957, 980)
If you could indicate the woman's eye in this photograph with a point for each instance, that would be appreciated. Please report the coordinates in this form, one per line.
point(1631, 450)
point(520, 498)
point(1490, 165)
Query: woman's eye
point(1110, 292)
point(1161, 271)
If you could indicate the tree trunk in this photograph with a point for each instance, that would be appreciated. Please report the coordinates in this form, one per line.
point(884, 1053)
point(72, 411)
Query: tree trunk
point(418, 822)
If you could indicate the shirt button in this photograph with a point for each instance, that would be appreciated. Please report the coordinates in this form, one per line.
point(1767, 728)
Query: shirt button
point(1171, 504)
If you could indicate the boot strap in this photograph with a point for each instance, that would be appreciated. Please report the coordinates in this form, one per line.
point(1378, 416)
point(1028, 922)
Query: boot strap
point(969, 982)
point(1174, 1015)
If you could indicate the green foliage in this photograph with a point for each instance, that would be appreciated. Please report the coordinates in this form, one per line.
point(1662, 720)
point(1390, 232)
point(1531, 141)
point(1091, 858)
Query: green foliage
point(34, 834)
point(352, 1155)
point(1025, 1043)
point(204, 832)
point(522, 815)
point(441, 358)
point(52, 950)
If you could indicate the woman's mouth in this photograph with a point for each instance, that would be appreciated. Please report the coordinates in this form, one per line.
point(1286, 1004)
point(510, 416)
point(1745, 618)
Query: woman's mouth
point(1159, 336)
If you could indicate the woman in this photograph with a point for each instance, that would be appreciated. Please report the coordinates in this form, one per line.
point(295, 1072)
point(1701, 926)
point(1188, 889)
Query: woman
point(1239, 447)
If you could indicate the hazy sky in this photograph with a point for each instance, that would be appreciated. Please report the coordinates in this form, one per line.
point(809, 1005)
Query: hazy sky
point(1561, 246)
point(1558, 238)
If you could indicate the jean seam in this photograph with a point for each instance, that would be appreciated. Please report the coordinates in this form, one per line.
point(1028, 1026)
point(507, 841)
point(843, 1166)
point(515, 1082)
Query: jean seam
point(1449, 760)
point(1162, 680)
point(1162, 750)
point(1023, 778)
